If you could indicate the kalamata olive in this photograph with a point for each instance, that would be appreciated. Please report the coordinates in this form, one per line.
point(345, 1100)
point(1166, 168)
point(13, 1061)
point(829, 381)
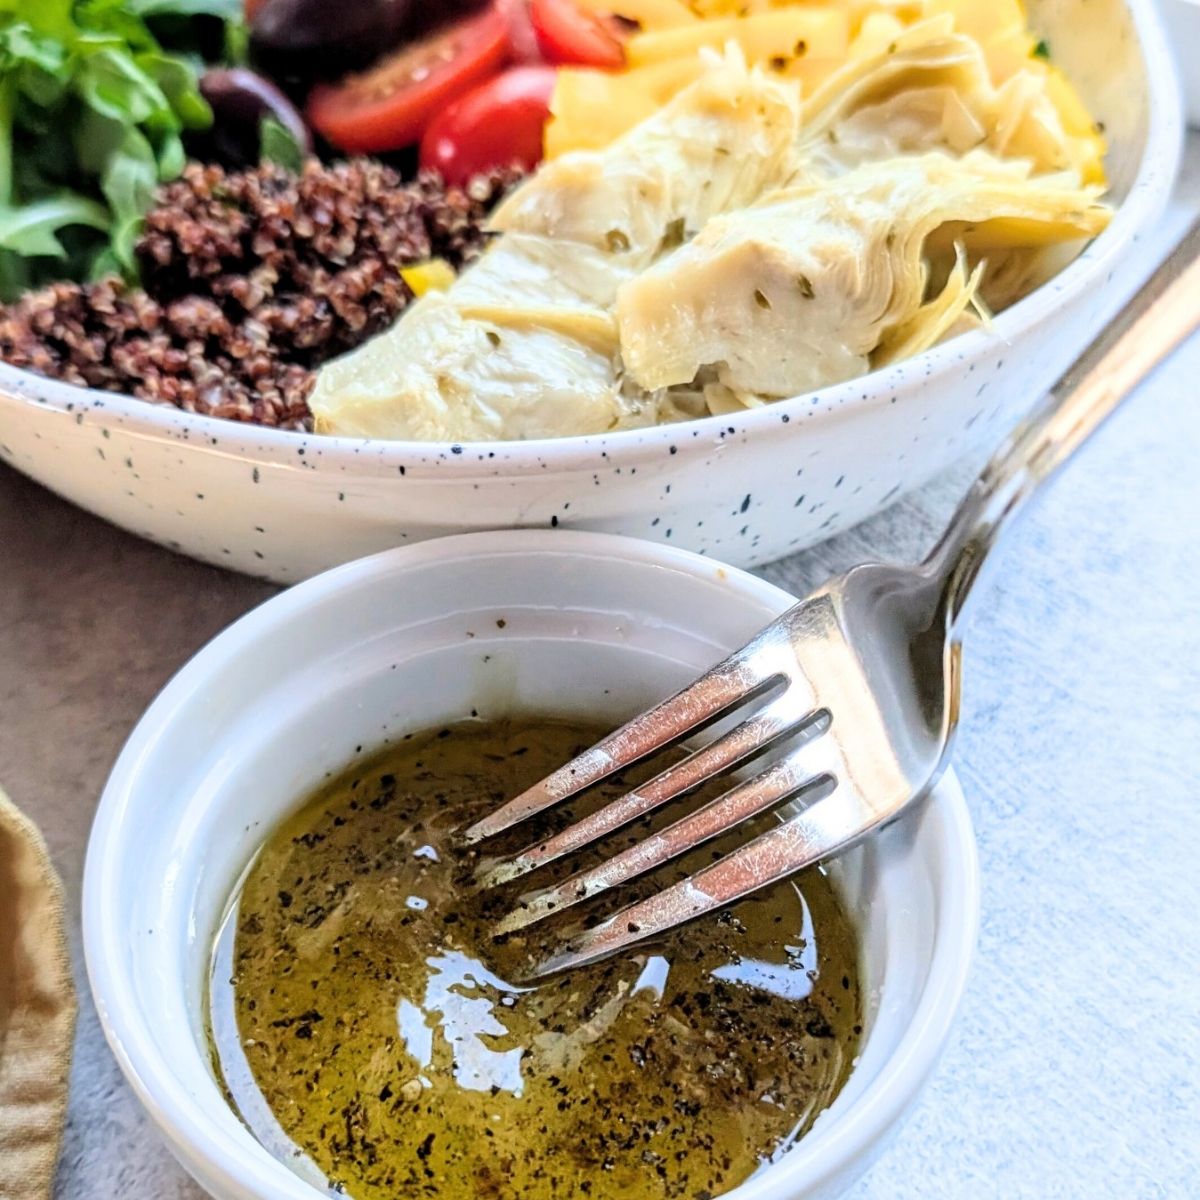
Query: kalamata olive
point(427, 15)
point(352, 32)
point(240, 101)
point(302, 42)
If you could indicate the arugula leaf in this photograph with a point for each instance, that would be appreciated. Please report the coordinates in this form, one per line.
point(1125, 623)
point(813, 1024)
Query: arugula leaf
point(111, 82)
point(128, 183)
point(227, 10)
point(237, 43)
point(32, 230)
point(95, 139)
point(92, 114)
point(172, 158)
point(50, 18)
point(177, 81)
point(22, 45)
point(277, 144)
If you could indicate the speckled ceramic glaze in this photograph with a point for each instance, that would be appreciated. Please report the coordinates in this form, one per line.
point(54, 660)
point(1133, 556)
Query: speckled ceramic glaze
point(747, 488)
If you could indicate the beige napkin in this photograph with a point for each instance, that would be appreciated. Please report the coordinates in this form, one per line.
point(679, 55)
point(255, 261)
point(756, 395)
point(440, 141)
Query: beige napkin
point(37, 1011)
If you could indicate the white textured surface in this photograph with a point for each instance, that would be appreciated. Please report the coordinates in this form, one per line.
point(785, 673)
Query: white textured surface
point(1076, 1071)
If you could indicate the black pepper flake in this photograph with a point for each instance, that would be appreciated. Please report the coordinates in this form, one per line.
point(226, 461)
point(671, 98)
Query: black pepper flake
point(818, 1027)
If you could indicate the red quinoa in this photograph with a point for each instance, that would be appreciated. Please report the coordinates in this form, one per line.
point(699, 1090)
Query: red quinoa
point(251, 280)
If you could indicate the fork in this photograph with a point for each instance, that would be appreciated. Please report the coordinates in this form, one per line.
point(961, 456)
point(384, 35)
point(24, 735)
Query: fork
point(856, 688)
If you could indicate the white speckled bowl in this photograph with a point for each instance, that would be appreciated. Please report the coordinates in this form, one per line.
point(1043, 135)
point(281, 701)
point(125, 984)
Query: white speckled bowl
point(747, 488)
point(576, 624)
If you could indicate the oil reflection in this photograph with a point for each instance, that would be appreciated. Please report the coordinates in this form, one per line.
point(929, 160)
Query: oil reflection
point(459, 1003)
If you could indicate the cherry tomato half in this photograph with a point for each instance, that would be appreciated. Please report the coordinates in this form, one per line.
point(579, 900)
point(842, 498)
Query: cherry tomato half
point(568, 33)
point(390, 105)
point(498, 123)
point(522, 41)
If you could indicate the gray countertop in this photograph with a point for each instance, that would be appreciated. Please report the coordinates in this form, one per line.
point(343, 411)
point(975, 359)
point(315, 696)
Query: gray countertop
point(1075, 1071)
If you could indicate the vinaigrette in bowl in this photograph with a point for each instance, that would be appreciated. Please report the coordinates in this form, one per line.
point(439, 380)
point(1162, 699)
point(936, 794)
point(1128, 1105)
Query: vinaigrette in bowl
point(370, 1033)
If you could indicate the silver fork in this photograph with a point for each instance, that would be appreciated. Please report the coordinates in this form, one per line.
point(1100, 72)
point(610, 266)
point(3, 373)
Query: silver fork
point(863, 676)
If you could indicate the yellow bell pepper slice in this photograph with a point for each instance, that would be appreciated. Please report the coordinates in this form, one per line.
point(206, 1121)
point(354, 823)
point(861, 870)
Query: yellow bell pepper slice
point(782, 36)
point(647, 14)
point(1010, 53)
point(590, 109)
point(433, 275)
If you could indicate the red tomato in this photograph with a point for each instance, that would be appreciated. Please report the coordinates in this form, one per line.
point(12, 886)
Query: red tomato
point(251, 7)
point(390, 105)
point(498, 123)
point(567, 33)
point(522, 41)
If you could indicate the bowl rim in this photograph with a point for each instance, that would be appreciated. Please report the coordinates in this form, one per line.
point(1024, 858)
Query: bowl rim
point(183, 1118)
point(1151, 184)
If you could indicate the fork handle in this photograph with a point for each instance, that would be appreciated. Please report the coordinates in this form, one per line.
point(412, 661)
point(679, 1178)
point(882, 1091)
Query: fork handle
point(1162, 315)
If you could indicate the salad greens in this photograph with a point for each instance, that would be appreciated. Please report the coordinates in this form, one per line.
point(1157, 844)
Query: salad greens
point(278, 145)
point(93, 110)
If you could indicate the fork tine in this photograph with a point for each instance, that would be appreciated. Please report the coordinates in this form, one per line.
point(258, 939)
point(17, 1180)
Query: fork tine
point(784, 716)
point(828, 826)
point(730, 682)
point(799, 772)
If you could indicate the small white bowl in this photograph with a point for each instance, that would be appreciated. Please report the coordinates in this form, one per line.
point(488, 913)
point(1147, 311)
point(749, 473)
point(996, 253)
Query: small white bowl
point(593, 626)
point(746, 488)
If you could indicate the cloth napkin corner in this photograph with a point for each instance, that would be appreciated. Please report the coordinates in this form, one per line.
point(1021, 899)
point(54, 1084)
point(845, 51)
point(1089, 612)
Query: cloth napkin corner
point(37, 1010)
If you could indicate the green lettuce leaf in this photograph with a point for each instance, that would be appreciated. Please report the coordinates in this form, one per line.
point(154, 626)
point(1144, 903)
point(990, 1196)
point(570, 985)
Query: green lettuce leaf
point(93, 110)
point(32, 230)
point(278, 145)
point(227, 10)
point(128, 183)
point(176, 80)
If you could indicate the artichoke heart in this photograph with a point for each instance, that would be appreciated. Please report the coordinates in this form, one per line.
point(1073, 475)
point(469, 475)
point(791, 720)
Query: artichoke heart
point(800, 290)
point(441, 375)
point(931, 89)
point(715, 147)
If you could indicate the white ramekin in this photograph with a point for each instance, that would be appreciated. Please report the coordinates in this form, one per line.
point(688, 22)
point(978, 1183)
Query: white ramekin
point(570, 623)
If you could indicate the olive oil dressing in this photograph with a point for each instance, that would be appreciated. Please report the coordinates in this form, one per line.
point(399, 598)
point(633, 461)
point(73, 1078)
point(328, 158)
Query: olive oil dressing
point(369, 1032)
